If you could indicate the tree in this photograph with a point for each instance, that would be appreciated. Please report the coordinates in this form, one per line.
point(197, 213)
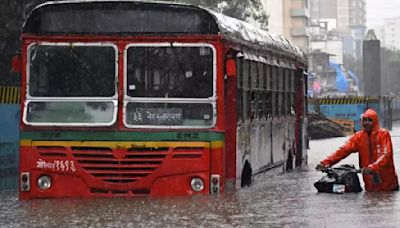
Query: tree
point(11, 18)
point(10, 22)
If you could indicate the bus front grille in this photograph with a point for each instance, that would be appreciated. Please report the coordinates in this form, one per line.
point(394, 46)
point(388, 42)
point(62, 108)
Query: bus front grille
point(120, 165)
point(133, 165)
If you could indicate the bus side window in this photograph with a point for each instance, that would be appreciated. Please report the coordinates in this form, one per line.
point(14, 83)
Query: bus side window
point(275, 92)
point(305, 88)
point(293, 90)
point(239, 95)
point(246, 89)
point(281, 93)
point(262, 90)
point(253, 90)
point(287, 92)
point(268, 98)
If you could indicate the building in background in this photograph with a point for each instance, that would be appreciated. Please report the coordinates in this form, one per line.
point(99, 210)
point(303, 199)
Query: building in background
point(389, 33)
point(347, 19)
point(331, 29)
point(372, 65)
point(322, 77)
point(336, 32)
point(332, 47)
point(357, 24)
point(289, 18)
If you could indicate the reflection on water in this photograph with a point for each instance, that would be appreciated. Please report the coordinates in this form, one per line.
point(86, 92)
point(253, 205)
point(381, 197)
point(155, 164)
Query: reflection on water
point(287, 200)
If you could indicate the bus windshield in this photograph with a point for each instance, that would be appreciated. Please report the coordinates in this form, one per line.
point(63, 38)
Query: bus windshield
point(170, 85)
point(71, 71)
point(71, 84)
point(180, 72)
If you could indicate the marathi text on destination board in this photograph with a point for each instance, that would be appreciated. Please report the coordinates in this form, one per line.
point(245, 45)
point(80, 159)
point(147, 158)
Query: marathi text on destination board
point(157, 116)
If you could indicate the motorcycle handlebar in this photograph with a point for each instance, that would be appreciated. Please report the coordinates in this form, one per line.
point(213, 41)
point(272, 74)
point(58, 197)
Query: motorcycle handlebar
point(331, 169)
point(376, 179)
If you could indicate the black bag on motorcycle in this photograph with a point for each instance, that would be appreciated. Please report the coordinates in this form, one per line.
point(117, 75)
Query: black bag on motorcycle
point(339, 177)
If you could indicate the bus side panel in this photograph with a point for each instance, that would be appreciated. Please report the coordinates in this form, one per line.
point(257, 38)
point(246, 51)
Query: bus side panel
point(261, 153)
point(278, 129)
point(291, 142)
point(230, 131)
point(264, 155)
point(301, 121)
point(255, 145)
point(267, 147)
point(305, 142)
point(242, 150)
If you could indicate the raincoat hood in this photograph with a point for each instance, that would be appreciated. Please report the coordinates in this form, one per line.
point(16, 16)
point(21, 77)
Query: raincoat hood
point(370, 113)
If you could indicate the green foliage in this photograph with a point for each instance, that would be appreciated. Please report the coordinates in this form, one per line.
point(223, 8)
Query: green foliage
point(11, 22)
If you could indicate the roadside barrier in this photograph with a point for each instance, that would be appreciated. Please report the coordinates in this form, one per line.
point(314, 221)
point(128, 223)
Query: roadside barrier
point(9, 95)
point(351, 108)
point(345, 100)
point(9, 136)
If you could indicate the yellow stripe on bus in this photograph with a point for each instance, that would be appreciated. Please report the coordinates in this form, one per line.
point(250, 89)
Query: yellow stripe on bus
point(123, 144)
point(217, 144)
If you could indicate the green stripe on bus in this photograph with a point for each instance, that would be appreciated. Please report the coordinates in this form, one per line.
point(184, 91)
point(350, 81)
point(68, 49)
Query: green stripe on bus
point(119, 135)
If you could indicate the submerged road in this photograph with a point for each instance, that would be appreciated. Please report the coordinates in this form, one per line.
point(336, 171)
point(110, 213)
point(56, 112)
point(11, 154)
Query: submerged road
point(287, 200)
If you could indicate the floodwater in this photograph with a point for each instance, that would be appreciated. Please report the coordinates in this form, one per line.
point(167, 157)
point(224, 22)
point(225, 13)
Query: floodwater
point(287, 200)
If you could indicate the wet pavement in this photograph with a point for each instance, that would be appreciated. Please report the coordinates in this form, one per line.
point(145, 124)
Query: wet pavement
point(287, 200)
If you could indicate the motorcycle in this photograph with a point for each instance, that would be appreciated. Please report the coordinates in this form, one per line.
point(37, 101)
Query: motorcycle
point(341, 179)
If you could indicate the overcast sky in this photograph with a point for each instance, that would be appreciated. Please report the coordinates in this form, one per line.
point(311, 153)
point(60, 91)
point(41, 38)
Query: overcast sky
point(377, 10)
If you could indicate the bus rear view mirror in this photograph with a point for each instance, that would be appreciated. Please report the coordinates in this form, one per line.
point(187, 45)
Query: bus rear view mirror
point(231, 68)
point(16, 64)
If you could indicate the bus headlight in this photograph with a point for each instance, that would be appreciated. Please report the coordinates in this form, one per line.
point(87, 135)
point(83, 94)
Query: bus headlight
point(197, 184)
point(44, 182)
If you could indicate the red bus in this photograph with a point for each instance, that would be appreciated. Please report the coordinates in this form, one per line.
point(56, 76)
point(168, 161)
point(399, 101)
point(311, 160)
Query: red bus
point(123, 98)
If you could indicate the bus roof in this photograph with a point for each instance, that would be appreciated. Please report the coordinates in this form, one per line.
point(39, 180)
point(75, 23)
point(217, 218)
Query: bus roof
point(243, 32)
point(110, 17)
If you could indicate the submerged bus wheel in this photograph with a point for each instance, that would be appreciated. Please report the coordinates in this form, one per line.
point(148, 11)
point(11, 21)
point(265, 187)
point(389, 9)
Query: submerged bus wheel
point(246, 175)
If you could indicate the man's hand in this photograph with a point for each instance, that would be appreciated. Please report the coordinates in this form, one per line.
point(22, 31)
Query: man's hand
point(367, 171)
point(320, 167)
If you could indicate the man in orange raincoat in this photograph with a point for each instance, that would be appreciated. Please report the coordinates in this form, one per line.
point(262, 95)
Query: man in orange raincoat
point(375, 152)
